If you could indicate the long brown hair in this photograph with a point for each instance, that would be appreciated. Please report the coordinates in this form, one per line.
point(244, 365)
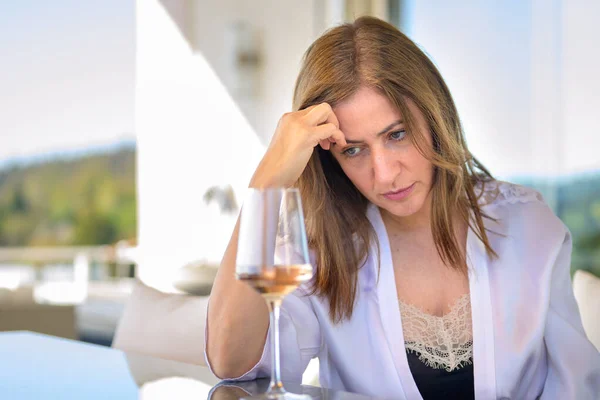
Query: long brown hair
point(374, 53)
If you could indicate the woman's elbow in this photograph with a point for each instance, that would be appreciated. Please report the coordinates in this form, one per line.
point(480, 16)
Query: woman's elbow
point(225, 362)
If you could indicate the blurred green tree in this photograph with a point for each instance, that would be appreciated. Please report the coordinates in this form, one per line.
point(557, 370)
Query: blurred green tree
point(87, 200)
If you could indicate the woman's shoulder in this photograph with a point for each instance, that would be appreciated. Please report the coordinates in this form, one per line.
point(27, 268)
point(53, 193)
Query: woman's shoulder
point(501, 193)
point(518, 208)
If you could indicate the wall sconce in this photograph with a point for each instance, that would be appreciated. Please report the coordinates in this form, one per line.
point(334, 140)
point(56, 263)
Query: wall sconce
point(246, 60)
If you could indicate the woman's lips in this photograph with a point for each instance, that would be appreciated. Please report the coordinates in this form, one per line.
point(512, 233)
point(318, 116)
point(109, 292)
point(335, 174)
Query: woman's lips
point(400, 194)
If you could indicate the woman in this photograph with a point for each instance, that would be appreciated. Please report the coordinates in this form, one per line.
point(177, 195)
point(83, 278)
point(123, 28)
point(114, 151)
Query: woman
point(458, 286)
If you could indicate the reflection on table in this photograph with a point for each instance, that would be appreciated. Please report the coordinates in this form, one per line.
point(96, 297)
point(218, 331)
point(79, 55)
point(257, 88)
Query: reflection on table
point(36, 366)
point(237, 390)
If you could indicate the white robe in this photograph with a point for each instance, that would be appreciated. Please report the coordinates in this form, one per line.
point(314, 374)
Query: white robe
point(528, 340)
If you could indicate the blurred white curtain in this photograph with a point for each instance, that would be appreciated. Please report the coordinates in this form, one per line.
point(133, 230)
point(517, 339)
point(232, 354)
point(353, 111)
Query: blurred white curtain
point(524, 77)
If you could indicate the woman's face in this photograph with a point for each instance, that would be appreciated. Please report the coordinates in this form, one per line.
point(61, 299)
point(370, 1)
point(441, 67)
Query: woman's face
point(380, 159)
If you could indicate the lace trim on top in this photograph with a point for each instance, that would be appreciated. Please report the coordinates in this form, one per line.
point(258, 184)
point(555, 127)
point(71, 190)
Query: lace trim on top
point(499, 192)
point(444, 342)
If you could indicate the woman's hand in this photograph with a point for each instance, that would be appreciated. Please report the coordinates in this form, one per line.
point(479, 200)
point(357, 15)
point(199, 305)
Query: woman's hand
point(293, 143)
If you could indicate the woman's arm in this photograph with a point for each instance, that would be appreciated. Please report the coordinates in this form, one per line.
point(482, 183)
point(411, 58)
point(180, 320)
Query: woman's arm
point(238, 317)
point(237, 320)
point(573, 361)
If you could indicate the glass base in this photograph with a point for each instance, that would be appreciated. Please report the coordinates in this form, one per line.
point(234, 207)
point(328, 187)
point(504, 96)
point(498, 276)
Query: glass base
point(279, 396)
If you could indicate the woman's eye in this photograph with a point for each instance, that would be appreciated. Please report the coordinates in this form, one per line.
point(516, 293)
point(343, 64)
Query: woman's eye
point(352, 151)
point(398, 135)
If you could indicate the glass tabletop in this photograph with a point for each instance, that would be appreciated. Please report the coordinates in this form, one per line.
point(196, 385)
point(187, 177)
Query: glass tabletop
point(34, 366)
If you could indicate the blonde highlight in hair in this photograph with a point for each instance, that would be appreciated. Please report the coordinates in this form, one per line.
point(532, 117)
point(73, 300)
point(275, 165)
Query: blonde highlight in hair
point(371, 52)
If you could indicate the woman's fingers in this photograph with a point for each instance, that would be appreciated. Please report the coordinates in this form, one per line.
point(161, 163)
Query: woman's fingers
point(326, 125)
point(339, 138)
point(321, 114)
point(325, 144)
point(328, 133)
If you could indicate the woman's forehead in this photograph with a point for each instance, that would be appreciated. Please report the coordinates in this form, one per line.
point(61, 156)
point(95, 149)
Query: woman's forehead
point(367, 113)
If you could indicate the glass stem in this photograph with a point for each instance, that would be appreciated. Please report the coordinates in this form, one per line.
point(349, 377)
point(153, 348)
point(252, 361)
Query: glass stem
point(274, 308)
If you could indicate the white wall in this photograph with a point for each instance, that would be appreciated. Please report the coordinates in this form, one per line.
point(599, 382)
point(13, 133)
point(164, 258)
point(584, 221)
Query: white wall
point(287, 28)
point(191, 133)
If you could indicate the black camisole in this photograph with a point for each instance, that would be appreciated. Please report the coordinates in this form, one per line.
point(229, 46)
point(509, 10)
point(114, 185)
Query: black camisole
point(440, 384)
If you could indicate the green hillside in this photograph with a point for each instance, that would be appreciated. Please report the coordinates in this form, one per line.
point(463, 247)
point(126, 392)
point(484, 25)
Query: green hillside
point(89, 200)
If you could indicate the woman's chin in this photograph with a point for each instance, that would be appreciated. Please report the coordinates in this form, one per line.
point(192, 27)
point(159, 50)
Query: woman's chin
point(401, 209)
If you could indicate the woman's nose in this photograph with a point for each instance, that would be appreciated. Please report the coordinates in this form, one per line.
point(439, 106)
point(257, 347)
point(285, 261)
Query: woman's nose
point(385, 170)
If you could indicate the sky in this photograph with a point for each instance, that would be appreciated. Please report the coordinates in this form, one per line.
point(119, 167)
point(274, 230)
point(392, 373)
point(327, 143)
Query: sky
point(66, 75)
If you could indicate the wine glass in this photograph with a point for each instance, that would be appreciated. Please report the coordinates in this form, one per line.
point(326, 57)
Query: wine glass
point(272, 257)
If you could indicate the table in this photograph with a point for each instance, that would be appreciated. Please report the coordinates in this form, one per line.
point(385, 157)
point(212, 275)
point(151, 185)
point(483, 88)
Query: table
point(36, 366)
